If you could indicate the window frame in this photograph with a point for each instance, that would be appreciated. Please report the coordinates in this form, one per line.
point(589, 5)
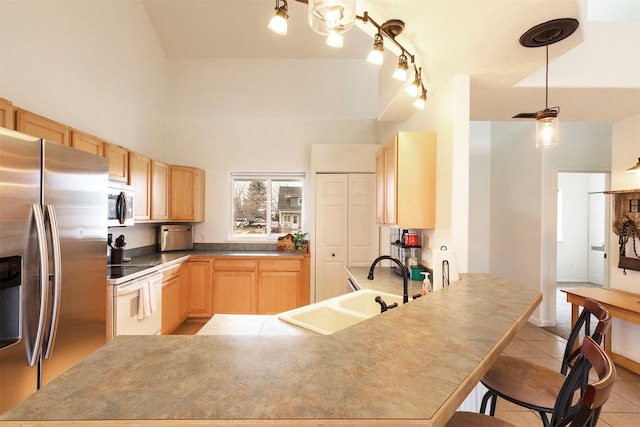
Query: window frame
point(268, 178)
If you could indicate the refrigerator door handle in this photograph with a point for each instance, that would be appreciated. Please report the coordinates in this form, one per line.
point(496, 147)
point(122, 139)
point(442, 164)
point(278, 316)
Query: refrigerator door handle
point(57, 271)
point(33, 356)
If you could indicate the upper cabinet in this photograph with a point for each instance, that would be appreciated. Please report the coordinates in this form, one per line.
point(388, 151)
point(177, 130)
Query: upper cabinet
point(406, 181)
point(42, 127)
point(186, 193)
point(159, 191)
point(6, 114)
point(118, 158)
point(86, 142)
point(140, 178)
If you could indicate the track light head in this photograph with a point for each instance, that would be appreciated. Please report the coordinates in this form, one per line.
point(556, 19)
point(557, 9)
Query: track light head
point(375, 56)
point(414, 88)
point(401, 72)
point(421, 101)
point(335, 40)
point(278, 24)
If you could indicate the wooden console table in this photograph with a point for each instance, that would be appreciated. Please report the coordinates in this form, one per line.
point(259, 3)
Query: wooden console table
point(622, 305)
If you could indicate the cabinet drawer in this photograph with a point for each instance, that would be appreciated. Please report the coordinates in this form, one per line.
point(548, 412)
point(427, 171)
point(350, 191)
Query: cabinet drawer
point(170, 273)
point(280, 265)
point(234, 265)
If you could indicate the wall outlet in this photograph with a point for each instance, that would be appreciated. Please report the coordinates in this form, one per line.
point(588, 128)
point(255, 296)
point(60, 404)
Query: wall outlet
point(203, 237)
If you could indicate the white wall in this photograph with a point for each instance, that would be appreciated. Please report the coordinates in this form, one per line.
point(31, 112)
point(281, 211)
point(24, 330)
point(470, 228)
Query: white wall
point(262, 116)
point(479, 196)
point(95, 65)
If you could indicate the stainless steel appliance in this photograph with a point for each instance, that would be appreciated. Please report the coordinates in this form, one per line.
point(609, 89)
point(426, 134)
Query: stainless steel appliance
point(175, 237)
point(53, 288)
point(120, 204)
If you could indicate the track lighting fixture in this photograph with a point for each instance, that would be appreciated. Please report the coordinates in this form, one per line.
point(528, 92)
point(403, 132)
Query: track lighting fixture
point(333, 18)
point(375, 56)
point(278, 24)
point(635, 168)
point(421, 101)
point(414, 88)
point(401, 72)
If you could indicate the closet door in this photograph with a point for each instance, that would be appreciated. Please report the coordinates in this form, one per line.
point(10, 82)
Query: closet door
point(363, 235)
point(331, 235)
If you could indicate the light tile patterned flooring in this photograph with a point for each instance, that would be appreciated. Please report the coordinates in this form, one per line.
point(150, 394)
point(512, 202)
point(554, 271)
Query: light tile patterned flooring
point(622, 409)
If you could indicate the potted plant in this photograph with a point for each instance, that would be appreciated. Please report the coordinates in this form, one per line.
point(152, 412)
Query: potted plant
point(299, 241)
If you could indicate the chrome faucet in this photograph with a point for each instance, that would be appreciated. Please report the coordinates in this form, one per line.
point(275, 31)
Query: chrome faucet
point(405, 275)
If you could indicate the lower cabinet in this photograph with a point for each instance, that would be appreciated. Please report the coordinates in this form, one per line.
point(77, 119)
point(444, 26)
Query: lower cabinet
point(200, 287)
point(234, 286)
point(174, 298)
point(279, 285)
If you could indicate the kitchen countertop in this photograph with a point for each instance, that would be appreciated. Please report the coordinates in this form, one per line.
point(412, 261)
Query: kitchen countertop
point(413, 365)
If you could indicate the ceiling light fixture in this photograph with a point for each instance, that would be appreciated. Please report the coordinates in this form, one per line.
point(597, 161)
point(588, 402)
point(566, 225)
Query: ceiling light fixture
point(401, 72)
point(333, 18)
point(421, 101)
point(543, 35)
point(414, 88)
point(327, 16)
point(278, 24)
point(635, 168)
point(375, 56)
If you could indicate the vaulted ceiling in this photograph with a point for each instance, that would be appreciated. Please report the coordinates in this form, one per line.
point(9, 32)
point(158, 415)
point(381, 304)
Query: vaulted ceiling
point(594, 75)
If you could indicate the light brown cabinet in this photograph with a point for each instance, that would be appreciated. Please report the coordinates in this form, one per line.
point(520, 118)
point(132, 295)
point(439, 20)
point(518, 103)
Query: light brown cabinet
point(406, 185)
point(140, 178)
point(186, 194)
point(7, 112)
point(172, 299)
point(234, 286)
point(200, 292)
point(42, 127)
point(279, 285)
point(118, 159)
point(86, 142)
point(159, 191)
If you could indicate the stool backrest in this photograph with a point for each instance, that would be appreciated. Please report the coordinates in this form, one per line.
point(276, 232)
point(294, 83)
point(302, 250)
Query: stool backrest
point(583, 326)
point(587, 411)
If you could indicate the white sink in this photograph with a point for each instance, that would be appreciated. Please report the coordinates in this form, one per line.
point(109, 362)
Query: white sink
point(335, 314)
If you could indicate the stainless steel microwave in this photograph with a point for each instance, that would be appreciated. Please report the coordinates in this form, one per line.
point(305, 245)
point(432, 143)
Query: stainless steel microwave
point(120, 205)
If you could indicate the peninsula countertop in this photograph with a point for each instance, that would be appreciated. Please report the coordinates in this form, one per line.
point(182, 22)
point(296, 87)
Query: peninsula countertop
point(413, 365)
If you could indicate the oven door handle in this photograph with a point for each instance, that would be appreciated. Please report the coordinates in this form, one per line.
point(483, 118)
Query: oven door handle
point(121, 207)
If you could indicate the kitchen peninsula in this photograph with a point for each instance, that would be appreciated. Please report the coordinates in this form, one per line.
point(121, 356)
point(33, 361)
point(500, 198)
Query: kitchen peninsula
point(413, 365)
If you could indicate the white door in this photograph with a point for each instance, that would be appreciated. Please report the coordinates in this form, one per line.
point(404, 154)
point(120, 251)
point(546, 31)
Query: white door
point(331, 234)
point(363, 235)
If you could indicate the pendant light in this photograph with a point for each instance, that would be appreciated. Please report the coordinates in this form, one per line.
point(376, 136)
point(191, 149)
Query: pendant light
point(278, 24)
point(543, 35)
point(635, 168)
point(327, 16)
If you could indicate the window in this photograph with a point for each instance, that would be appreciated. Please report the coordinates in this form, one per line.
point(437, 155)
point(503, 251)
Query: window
point(265, 207)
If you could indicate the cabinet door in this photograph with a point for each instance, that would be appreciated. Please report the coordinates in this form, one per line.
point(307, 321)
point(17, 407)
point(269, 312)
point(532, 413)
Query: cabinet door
point(391, 184)
point(184, 292)
point(380, 190)
point(6, 114)
point(171, 295)
point(182, 190)
point(41, 127)
point(199, 194)
point(278, 291)
point(159, 191)
point(416, 180)
point(140, 178)
point(86, 142)
point(118, 158)
point(200, 289)
point(234, 292)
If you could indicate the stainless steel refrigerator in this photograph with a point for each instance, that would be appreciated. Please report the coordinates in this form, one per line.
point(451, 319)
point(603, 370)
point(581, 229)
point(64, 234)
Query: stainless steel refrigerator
point(53, 290)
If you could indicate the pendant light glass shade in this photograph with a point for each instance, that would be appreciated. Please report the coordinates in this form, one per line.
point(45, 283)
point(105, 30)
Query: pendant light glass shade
point(635, 168)
point(546, 129)
point(326, 16)
point(278, 24)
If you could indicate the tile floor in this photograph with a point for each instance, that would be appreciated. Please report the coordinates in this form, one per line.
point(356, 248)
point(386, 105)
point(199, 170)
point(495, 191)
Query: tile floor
point(546, 348)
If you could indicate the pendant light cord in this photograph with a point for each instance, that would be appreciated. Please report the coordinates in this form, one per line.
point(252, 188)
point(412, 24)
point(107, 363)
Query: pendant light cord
point(546, 81)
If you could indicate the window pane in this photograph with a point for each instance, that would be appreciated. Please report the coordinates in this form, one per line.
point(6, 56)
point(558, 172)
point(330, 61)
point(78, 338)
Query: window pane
point(265, 208)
